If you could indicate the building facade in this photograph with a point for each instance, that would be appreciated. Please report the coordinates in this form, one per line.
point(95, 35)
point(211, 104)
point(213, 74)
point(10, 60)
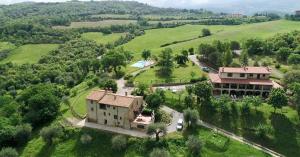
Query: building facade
point(297, 13)
point(107, 108)
point(238, 82)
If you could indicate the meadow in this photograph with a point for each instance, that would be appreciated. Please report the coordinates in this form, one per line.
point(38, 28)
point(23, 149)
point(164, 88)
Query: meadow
point(30, 53)
point(153, 39)
point(104, 23)
point(101, 38)
point(6, 46)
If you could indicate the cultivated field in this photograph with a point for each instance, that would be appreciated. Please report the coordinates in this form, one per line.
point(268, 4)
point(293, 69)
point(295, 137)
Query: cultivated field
point(30, 53)
point(101, 38)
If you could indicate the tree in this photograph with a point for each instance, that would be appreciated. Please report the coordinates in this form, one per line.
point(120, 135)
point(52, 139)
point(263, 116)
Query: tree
point(141, 88)
point(114, 59)
point(191, 51)
point(146, 54)
point(203, 91)
point(206, 50)
point(181, 59)
point(205, 32)
point(119, 142)
point(191, 117)
point(291, 77)
point(159, 153)
point(110, 85)
point(154, 101)
point(282, 54)
point(50, 133)
point(244, 58)
point(41, 103)
point(294, 59)
point(253, 46)
point(234, 45)
point(253, 101)
point(157, 129)
point(278, 98)
point(189, 101)
point(189, 89)
point(194, 145)
point(295, 88)
point(165, 62)
point(227, 58)
point(8, 152)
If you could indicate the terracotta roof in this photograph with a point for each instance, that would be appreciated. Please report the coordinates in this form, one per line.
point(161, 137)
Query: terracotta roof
point(96, 95)
point(117, 100)
point(215, 78)
point(254, 70)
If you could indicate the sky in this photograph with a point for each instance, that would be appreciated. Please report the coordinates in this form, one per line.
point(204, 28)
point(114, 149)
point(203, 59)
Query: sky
point(234, 6)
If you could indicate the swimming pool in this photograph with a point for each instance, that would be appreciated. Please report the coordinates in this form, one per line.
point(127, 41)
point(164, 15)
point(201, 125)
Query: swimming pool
point(142, 64)
point(139, 64)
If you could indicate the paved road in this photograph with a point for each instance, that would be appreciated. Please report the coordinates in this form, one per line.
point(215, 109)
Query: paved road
point(175, 117)
point(194, 59)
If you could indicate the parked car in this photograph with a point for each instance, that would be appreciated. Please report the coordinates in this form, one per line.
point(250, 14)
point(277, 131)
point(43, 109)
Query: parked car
point(179, 124)
point(205, 69)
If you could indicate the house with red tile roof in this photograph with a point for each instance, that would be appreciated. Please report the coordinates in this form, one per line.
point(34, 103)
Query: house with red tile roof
point(107, 108)
point(242, 81)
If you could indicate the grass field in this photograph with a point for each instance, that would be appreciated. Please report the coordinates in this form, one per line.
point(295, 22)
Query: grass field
point(153, 39)
point(30, 53)
point(6, 46)
point(180, 75)
point(101, 38)
point(100, 146)
point(104, 23)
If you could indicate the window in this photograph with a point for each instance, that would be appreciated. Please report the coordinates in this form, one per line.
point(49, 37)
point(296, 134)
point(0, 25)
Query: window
point(120, 118)
point(102, 106)
point(109, 114)
point(251, 75)
point(92, 109)
point(114, 108)
point(229, 74)
point(115, 116)
point(104, 113)
point(264, 75)
point(107, 106)
point(140, 126)
point(242, 75)
point(91, 101)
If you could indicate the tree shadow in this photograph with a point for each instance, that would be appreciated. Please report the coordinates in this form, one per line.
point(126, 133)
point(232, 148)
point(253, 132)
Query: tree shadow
point(285, 135)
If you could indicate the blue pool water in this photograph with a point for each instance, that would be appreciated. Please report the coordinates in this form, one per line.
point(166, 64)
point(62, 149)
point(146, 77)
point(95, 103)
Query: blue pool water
point(139, 64)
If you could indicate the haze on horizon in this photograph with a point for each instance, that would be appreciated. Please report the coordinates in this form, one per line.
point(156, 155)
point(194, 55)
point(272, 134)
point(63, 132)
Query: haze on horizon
point(237, 6)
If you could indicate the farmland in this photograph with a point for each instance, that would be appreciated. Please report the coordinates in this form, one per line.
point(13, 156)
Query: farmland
point(104, 23)
point(30, 53)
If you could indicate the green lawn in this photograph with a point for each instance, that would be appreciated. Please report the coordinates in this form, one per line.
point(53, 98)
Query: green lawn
point(101, 146)
point(101, 38)
point(154, 38)
point(180, 75)
point(30, 53)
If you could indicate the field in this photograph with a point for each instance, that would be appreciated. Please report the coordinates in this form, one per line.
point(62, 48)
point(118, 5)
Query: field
point(104, 23)
point(101, 38)
point(100, 146)
point(153, 39)
point(30, 53)
point(180, 75)
point(6, 46)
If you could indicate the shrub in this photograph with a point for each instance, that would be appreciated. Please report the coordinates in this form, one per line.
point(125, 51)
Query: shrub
point(159, 153)
point(119, 142)
point(277, 66)
point(85, 139)
point(194, 145)
point(50, 133)
point(8, 152)
point(128, 76)
point(205, 32)
point(23, 133)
